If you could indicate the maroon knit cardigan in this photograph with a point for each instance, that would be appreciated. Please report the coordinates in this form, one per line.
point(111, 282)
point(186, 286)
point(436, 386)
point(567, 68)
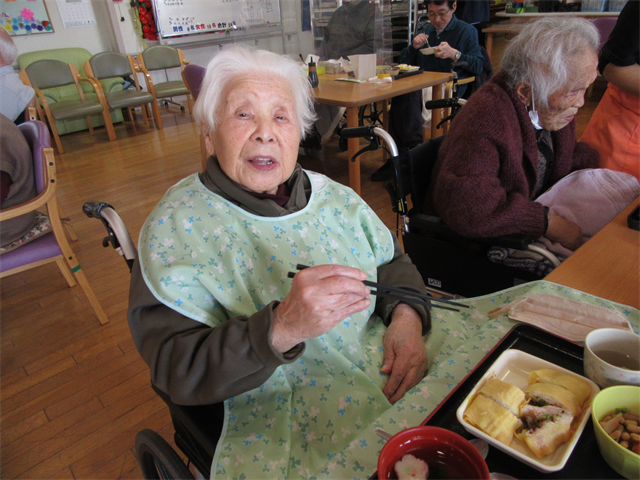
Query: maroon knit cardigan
point(486, 169)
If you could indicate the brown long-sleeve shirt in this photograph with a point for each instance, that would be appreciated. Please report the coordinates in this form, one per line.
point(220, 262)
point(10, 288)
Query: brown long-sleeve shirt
point(196, 364)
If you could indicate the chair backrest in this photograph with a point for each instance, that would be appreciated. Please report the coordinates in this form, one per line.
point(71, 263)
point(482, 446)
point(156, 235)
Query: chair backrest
point(416, 172)
point(487, 69)
point(37, 135)
point(605, 27)
point(110, 64)
point(160, 57)
point(193, 75)
point(49, 73)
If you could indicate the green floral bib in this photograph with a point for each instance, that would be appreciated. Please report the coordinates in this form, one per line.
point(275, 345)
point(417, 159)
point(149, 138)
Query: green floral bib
point(211, 261)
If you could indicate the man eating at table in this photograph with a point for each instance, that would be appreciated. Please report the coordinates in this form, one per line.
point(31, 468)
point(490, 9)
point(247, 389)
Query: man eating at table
point(453, 41)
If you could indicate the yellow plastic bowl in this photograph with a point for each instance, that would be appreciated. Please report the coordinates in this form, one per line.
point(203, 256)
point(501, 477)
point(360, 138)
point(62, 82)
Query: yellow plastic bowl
point(623, 461)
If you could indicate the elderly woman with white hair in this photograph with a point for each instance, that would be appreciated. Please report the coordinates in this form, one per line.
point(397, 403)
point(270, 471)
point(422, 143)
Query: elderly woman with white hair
point(291, 364)
point(516, 137)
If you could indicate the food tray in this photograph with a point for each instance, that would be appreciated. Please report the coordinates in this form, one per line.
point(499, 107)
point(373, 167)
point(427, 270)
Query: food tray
point(585, 462)
point(406, 74)
point(514, 367)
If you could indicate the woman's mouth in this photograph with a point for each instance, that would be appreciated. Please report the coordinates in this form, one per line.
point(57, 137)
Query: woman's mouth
point(262, 161)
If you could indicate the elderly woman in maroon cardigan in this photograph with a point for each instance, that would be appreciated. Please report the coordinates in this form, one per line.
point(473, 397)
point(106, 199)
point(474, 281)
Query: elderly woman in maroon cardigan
point(516, 137)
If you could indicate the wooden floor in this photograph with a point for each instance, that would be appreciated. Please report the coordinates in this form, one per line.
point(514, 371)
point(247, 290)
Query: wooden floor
point(74, 393)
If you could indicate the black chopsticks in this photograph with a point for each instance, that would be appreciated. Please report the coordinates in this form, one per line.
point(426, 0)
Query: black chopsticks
point(405, 295)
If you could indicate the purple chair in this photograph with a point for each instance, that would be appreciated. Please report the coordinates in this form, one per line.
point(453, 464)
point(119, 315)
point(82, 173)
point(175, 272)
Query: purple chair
point(53, 246)
point(605, 27)
point(192, 76)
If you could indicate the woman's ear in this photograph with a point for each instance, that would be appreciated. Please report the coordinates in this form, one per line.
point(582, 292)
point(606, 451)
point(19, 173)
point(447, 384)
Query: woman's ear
point(204, 132)
point(524, 93)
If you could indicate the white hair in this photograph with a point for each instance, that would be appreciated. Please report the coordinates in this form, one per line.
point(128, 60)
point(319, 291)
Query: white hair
point(239, 60)
point(8, 50)
point(541, 54)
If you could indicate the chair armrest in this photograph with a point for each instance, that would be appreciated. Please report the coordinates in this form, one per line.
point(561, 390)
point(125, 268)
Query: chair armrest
point(45, 195)
point(428, 223)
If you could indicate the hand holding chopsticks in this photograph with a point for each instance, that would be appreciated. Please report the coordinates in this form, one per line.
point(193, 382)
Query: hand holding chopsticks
point(402, 294)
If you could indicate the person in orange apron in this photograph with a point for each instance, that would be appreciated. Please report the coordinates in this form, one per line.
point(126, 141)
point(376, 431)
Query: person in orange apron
point(614, 129)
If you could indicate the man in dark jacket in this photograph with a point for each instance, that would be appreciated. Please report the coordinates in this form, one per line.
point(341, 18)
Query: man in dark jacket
point(454, 41)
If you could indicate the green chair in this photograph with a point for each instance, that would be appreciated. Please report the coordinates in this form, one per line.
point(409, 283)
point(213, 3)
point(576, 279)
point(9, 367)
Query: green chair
point(78, 56)
point(112, 64)
point(45, 74)
point(162, 57)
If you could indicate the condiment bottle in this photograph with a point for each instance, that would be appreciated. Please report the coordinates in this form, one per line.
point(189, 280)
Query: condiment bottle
point(313, 74)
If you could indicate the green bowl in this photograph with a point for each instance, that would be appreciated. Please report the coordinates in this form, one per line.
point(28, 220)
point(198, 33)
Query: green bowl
point(623, 461)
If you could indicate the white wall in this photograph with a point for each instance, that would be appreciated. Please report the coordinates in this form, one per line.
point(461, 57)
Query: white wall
point(115, 32)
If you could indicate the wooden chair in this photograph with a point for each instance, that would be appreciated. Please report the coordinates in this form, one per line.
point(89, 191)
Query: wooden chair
point(53, 73)
point(162, 57)
point(114, 64)
point(52, 246)
point(193, 75)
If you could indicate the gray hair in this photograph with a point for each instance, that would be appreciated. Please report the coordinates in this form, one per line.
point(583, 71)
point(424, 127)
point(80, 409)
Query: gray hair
point(239, 60)
point(540, 54)
point(8, 50)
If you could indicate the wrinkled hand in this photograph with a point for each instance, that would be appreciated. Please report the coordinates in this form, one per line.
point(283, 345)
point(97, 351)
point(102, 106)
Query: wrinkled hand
point(419, 40)
point(320, 297)
point(405, 355)
point(564, 231)
point(444, 50)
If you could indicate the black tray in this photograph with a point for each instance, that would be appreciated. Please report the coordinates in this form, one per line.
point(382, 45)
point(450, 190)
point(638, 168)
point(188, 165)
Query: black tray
point(585, 461)
point(402, 75)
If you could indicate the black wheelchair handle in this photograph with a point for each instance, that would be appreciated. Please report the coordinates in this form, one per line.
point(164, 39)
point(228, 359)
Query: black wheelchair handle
point(441, 103)
point(357, 132)
point(92, 209)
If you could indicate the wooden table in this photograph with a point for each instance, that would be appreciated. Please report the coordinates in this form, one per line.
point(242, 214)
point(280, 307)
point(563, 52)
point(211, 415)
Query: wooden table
point(608, 265)
point(353, 95)
point(503, 27)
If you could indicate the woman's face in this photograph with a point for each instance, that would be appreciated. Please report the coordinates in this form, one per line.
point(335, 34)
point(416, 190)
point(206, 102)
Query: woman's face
point(256, 140)
point(564, 103)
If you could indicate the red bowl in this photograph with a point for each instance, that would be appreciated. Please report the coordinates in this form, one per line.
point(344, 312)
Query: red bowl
point(448, 454)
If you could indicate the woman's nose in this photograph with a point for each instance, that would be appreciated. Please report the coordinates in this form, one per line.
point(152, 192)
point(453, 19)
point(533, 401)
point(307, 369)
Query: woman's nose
point(264, 130)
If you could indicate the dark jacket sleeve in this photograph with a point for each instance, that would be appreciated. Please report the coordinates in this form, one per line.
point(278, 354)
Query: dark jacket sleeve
point(196, 364)
point(401, 273)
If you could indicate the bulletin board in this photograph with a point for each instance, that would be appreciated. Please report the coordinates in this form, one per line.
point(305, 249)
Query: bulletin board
point(189, 17)
point(25, 17)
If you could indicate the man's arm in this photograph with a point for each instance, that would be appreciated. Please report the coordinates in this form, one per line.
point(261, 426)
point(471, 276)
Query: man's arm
point(625, 78)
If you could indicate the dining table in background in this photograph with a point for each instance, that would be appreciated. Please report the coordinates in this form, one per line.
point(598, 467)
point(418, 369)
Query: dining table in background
point(607, 265)
point(353, 95)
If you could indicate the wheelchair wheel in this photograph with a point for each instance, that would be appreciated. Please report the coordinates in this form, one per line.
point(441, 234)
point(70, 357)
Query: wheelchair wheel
point(157, 459)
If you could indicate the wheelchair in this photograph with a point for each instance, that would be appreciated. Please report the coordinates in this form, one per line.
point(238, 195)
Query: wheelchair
point(197, 428)
point(450, 264)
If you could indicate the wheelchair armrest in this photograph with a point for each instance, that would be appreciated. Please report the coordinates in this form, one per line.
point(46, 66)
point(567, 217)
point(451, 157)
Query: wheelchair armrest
point(433, 224)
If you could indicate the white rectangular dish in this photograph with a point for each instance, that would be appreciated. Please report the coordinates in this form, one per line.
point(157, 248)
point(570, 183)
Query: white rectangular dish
point(514, 366)
point(428, 51)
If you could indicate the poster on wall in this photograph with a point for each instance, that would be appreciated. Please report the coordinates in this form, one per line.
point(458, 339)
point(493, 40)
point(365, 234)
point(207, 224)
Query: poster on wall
point(25, 17)
point(76, 13)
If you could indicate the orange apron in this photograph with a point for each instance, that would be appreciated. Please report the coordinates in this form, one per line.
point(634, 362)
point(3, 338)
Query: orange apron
point(614, 130)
